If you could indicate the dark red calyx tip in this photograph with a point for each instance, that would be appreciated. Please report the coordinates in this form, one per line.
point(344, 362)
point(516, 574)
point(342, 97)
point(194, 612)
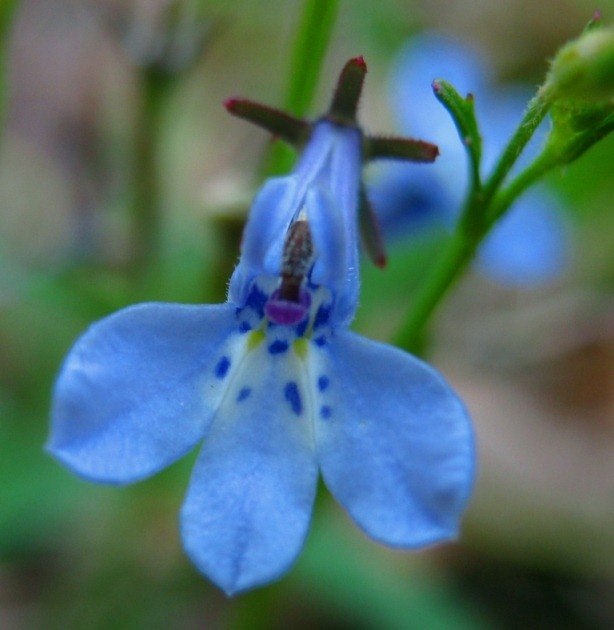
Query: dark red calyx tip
point(344, 106)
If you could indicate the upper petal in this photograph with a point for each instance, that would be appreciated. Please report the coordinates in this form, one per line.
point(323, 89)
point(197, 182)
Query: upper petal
point(395, 445)
point(139, 389)
point(336, 266)
point(263, 238)
point(248, 507)
point(331, 205)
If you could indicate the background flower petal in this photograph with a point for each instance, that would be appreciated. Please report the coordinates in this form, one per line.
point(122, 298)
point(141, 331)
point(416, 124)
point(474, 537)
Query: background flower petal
point(530, 245)
point(250, 499)
point(422, 60)
point(438, 189)
point(396, 447)
point(138, 390)
point(409, 200)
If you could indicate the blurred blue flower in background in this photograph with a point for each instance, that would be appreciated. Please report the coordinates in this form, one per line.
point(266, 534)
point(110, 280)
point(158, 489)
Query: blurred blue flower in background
point(278, 386)
point(530, 245)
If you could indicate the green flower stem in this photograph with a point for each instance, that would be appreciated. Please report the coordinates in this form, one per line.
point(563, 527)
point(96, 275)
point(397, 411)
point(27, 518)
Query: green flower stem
point(313, 37)
point(310, 48)
point(584, 141)
point(7, 11)
point(482, 209)
point(447, 269)
point(506, 196)
point(146, 211)
point(534, 115)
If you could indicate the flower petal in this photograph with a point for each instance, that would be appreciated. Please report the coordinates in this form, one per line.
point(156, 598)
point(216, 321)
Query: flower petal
point(530, 245)
point(138, 390)
point(263, 238)
point(336, 266)
point(248, 507)
point(395, 445)
point(331, 204)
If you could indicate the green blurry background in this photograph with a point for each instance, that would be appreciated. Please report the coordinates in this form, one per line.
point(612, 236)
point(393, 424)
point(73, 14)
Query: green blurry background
point(123, 182)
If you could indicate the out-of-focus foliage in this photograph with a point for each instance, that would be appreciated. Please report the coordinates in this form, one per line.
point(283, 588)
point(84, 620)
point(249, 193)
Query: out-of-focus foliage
point(88, 137)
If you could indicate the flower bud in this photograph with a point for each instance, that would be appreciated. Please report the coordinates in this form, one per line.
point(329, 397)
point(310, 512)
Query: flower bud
point(583, 69)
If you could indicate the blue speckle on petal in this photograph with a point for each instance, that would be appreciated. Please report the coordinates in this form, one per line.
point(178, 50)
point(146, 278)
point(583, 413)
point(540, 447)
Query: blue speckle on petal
point(293, 396)
point(244, 327)
point(221, 369)
point(278, 347)
point(256, 300)
point(322, 316)
point(323, 383)
point(325, 412)
point(320, 341)
point(301, 328)
point(244, 393)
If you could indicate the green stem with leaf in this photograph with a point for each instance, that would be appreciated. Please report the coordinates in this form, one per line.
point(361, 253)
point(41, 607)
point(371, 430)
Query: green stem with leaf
point(578, 92)
point(484, 206)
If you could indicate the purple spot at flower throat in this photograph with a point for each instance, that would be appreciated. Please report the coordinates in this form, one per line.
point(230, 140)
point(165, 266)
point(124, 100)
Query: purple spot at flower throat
point(285, 312)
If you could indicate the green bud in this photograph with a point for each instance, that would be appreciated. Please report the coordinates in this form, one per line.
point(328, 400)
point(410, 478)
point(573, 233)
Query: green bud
point(583, 69)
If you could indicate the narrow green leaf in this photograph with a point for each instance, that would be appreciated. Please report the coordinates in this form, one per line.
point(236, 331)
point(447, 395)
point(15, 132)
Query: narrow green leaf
point(462, 111)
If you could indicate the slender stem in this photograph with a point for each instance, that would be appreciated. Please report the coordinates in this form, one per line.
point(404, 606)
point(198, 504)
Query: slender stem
point(146, 198)
point(534, 115)
point(477, 219)
point(310, 48)
point(506, 196)
point(7, 10)
point(452, 262)
point(312, 39)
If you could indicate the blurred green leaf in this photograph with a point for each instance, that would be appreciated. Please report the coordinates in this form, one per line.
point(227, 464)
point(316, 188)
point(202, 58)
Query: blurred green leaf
point(371, 587)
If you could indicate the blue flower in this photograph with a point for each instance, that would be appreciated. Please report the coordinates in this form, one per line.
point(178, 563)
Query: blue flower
point(278, 386)
point(530, 245)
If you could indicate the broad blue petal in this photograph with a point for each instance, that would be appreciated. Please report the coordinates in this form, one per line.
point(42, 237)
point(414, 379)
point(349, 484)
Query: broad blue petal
point(138, 390)
point(248, 507)
point(530, 245)
point(395, 445)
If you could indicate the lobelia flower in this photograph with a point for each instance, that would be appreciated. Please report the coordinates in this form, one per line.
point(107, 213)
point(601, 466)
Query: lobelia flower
point(275, 384)
point(530, 245)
